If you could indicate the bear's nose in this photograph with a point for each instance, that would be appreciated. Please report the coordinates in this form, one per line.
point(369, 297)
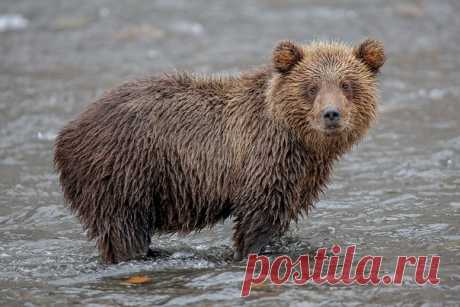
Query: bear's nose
point(331, 116)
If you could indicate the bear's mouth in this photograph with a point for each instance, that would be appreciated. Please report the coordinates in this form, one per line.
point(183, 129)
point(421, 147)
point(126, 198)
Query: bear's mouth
point(332, 130)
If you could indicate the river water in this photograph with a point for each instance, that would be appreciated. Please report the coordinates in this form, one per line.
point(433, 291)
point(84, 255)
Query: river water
point(397, 193)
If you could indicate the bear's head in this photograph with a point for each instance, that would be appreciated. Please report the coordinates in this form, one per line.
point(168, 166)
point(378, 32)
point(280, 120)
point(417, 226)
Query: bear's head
point(326, 92)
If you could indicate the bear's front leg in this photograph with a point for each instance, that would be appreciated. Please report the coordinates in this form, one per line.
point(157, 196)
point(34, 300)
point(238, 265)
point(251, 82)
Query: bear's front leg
point(254, 231)
point(270, 200)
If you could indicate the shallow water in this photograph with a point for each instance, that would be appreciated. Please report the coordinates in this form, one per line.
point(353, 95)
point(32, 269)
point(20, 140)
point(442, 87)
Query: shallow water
point(397, 193)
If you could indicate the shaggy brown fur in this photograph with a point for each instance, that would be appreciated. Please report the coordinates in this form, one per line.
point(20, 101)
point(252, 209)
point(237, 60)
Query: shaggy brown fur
point(177, 153)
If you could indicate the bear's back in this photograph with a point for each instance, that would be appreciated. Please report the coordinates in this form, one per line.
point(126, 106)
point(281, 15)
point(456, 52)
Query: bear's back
point(154, 140)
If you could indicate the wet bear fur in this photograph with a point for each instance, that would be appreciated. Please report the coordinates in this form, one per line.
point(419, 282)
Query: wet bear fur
point(178, 153)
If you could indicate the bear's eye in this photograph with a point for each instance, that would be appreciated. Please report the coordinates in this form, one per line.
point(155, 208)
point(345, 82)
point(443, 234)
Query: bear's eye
point(312, 90)
point(346, 86)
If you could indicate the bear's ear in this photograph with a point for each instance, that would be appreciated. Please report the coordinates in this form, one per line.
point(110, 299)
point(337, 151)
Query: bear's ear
point(371, 53)
point(286, 55)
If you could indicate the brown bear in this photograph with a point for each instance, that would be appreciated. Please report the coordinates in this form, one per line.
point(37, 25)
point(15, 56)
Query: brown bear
point(178, 153)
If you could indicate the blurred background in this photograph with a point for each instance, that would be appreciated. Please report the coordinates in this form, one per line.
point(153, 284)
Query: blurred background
point(397, 193)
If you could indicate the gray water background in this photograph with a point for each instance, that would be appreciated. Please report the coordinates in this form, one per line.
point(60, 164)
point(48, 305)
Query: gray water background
point(397, 193)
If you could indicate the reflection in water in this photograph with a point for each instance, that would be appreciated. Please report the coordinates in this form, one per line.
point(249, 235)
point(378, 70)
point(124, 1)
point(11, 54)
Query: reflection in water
point(396, 194)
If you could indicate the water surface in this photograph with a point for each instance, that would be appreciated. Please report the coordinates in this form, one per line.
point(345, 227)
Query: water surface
point(397, 193)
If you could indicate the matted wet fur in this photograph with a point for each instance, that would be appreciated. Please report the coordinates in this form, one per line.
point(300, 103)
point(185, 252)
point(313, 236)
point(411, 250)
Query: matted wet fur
point(177, 153)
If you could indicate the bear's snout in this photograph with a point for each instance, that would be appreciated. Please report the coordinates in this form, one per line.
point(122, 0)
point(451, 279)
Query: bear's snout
point(331, 117)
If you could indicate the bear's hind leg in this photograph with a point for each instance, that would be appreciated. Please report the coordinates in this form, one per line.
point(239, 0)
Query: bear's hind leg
point(127, 240)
